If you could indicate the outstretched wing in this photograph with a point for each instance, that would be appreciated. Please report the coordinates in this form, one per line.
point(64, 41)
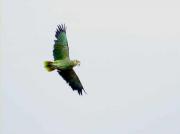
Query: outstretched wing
point(72, 79)
point(61, 49)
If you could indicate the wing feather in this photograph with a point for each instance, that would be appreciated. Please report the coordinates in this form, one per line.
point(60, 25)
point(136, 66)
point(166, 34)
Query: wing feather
point(61, 49)
point(72, 79)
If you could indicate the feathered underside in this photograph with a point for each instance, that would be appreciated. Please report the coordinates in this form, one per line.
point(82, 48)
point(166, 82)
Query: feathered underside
point(61, 28)
point(61, 52)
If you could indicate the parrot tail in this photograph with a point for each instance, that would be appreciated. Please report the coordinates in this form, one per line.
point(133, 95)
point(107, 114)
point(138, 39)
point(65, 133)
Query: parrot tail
point(48, 65)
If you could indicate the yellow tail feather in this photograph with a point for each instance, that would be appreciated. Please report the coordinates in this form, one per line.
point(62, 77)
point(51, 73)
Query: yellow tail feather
point(48, 65)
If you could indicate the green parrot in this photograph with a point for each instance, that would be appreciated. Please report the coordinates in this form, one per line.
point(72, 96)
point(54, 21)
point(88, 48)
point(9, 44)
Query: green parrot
point(62, 62)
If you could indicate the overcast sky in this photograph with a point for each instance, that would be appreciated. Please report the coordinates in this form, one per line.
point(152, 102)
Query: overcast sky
point(130, 67)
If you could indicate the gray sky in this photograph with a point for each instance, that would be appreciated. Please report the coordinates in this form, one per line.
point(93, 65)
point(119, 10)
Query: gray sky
point(129, 53)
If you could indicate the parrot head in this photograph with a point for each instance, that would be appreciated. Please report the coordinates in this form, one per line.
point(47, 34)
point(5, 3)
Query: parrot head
point(76, 62)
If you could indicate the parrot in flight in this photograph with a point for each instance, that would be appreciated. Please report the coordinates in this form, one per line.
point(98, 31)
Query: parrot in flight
point(62, 62)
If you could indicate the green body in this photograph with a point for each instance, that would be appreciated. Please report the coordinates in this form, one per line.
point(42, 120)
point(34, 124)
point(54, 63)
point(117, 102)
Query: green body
point(62, 62)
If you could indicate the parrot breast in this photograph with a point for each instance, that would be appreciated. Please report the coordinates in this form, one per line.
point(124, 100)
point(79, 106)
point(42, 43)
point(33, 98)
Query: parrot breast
point(63, 64)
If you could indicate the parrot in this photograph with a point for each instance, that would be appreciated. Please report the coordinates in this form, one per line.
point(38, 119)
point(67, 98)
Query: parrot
point(62, 62)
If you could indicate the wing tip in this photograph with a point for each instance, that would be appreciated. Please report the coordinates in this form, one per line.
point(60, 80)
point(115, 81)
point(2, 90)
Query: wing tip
point(80, 91)
point(60, 28)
